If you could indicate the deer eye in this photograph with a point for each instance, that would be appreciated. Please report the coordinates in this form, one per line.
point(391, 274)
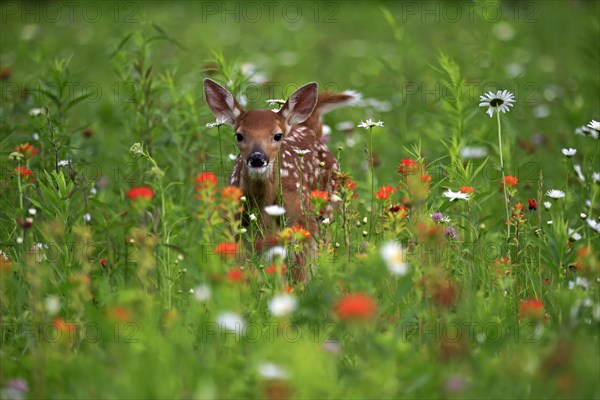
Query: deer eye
point(278, 137)
point(239, 137)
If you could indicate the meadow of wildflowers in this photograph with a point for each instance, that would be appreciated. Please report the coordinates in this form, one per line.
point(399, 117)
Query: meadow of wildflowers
point(461, 258)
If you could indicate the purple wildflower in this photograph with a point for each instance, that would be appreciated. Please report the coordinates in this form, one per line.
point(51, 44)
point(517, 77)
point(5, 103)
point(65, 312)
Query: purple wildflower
point(450, 232)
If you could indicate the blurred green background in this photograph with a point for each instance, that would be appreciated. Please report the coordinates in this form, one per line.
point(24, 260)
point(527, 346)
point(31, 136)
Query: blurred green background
point(546, 52)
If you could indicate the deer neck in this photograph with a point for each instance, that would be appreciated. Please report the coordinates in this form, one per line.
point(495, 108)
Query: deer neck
point(261, 192)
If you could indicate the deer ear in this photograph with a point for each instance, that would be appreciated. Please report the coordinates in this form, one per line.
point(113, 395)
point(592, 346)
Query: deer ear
point(301, 104)
point(222, 103)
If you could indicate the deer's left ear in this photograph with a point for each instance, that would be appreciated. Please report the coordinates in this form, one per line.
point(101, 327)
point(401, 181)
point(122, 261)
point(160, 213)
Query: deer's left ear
point(301, 104)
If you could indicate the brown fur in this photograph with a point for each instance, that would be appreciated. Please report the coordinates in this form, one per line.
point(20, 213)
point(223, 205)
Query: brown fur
point(299, 120)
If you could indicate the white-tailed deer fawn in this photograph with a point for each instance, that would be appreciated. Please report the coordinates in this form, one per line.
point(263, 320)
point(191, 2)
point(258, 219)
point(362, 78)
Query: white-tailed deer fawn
point(283, 146)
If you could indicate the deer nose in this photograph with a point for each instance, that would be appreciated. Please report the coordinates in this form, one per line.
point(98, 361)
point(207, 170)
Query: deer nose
point(257, 160)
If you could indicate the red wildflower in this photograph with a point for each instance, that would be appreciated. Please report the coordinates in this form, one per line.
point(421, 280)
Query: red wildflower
point(103, 262)
point(532, 205)
point(235, 275)
point(273, 269)
point(289, 289)
point(119, 313)
point(356, 306)
point(426, 178)
point(350, 185)
point(27, 150)
point(226, 249)
point(23, 171)
point(445, 294)
point(25, 223)
point(5, 73)
point(467, 189)
point(300, 232)
point(385, 192)
point(140, 192)
point(533, 308)
point(319, 195)
point(206, 180)
point(407, 166)
point(231, 193)
point(87, 132)
point(64, 327)
point(502, 267)
point(511, 181)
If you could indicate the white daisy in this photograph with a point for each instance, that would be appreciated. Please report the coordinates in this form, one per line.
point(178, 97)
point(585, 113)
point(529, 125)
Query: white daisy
point(301, 153)
point(579, 173)
point(252, 217)
point(344, 126)
point(547, 205)
point(272, 102)
point(473, 152)
point(270, 370)
point(218, 122)
point(549, 222)
point(335, 198)
point(583, 215)
point(276, 251)
point(275, 210)
point(34, 112)
point(326, 221)
point(370, 124)
point(501, 101)
point(87, 217)
point(202, 293)
point(596, 177)
point(32, 211)
point(455, 195)
point(593, 224)
point(595, 125)
point(573, 235)
point(63, 163)
point(36, 136)
point(52, 305)
point(230, 321)
point(586, 131)
point(232, 157)
point(282, 305)
point(569, 152)
point(579, 282)
point(275, 104)
point(555, 194)
point(394, 255)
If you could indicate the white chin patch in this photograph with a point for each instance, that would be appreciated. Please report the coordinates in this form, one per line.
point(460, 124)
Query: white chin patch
point(260, 174)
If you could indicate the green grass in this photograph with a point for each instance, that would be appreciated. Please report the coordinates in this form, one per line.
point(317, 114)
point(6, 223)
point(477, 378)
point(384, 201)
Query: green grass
point(127, 277)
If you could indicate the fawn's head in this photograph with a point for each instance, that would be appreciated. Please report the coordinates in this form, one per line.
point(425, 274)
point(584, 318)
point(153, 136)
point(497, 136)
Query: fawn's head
point(259, 133)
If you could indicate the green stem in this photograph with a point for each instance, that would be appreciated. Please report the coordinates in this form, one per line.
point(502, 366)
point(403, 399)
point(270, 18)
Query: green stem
point(372, 181)
point(20, 189)
point(503, 177)
point(222, 165)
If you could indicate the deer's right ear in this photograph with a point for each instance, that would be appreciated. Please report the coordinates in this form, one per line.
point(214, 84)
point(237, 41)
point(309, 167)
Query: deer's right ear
point(222, 103)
